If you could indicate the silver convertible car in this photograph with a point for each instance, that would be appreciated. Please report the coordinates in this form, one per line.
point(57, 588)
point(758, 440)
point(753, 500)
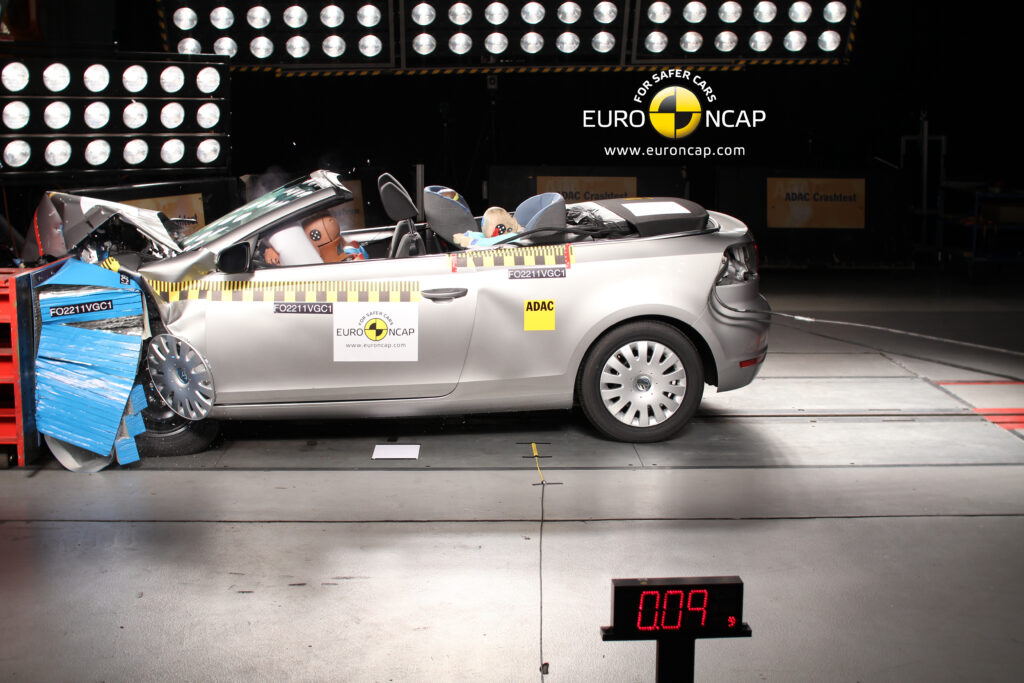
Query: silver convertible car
point(624, 307)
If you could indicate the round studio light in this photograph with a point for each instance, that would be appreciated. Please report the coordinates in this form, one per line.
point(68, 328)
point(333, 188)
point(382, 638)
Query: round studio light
point(829, 41)
point(659, 12)
point(225, 46)
point(424, 44)
point(423, 14)
point(370, 46)
point(333, 46)
point(332, 16)
point(694, 12)
point(172, 79)
point(261, 47)
point(208, 80)
point(532, 43)
point(799, 12)
point(57, 115)
point(208, 115)
point(368, 16)
point(135, 151)
point(172, 151)
point(691, 41)
point(258, 17)
point(57, 153)
point(297, 47)
point(97, 115)
point(730, 12)
point(569, 12)
point(726, 41)
point(460, 14)
point(605, 12)
point(222, 18)
point(185, 18)
point(189, 46)
point(760, 41)
point(56, 77)
point(765, 11)
point(603, 42)
point(208, 151)
point(496, 43)
point(460, 43)
point(17, 153)
point(656, 41)
point(568, 42)
point(14, 76)
point(794, 41)
point(835, 12)
point(96, 78)
point(16, 115)
point(172, 115)
point(295, 17)
point(532, 13)
point(135, 115)
point(496, 13)
point(134, 78)
point(97, 152)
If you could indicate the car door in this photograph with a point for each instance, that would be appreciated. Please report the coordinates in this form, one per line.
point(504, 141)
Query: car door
point(378, 329)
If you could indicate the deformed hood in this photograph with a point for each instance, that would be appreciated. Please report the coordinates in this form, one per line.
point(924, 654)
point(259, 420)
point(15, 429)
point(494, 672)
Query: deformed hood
point(62, 221)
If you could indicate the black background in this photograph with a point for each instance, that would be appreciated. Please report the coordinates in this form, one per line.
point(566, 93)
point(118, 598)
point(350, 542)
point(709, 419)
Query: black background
point(952, 65)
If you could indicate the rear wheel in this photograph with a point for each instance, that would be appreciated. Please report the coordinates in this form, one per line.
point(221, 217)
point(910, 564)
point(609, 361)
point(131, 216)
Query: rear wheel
point(641, 382)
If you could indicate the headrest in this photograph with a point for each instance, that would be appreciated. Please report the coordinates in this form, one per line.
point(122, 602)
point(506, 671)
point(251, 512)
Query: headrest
point(447, 212)
point(397, 203)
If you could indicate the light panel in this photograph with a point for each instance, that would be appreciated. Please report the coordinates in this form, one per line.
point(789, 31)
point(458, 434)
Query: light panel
point(503, 33)
point(756, 31)
point(283, 33)
point(82, 114)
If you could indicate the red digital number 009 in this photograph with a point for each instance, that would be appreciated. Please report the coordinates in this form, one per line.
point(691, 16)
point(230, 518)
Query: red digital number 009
point(659, 611)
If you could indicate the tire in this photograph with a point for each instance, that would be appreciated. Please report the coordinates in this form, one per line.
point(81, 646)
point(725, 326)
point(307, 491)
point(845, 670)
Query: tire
point(182, 437)
point(167, 432)
point(641, 382)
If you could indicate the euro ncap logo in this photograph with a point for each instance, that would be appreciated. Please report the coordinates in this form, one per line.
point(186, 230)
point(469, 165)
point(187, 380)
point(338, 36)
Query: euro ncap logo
point(675, 112)
point(375, 329)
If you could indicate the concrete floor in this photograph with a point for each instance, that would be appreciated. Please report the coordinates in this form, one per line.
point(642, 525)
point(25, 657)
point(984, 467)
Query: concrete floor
point(861, 487)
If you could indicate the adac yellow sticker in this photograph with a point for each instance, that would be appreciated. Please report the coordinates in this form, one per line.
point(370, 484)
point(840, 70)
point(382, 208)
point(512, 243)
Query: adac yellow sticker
point(538, 314)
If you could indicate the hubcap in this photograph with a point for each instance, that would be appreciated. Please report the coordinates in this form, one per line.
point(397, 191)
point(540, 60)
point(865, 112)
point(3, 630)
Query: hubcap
point(180, 377)
point(643, 383)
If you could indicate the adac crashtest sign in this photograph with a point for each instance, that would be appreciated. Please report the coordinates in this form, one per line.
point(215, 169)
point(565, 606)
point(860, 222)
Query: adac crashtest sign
point(816, 202)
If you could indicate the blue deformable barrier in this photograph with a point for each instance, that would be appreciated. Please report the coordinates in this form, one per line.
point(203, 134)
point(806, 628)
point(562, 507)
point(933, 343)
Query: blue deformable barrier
point(85, 370)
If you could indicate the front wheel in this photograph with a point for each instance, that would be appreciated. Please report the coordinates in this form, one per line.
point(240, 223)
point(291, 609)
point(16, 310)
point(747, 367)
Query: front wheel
point(641, 382)
point(174, 374)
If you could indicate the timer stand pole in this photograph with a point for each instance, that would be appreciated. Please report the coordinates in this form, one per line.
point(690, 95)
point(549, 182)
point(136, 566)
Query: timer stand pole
point(675, 660)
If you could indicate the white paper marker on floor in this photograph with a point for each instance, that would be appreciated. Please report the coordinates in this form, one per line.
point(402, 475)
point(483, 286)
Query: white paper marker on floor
point(401, 451)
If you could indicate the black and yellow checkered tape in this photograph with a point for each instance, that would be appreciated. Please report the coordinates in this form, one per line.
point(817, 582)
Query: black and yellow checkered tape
point(313, 291)
point(553, 255)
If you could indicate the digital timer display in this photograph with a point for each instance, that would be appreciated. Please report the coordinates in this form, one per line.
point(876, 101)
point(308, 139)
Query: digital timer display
point(656, 609)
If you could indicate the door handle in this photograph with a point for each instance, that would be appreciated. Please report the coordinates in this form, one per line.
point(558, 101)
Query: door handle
point(444, 293)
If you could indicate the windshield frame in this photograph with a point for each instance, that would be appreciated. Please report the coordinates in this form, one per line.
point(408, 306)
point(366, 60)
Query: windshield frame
point(278, 200)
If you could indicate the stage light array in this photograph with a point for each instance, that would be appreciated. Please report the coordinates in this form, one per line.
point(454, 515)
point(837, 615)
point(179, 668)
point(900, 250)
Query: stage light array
point(689, 30)
point(112, 115)
point(504, 33)
point(268, 33)
point(373, 36)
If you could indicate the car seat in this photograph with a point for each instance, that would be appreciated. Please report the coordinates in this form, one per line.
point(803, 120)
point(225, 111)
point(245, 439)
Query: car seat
point(400, 207)
point(447, 212)
point(543, 211)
